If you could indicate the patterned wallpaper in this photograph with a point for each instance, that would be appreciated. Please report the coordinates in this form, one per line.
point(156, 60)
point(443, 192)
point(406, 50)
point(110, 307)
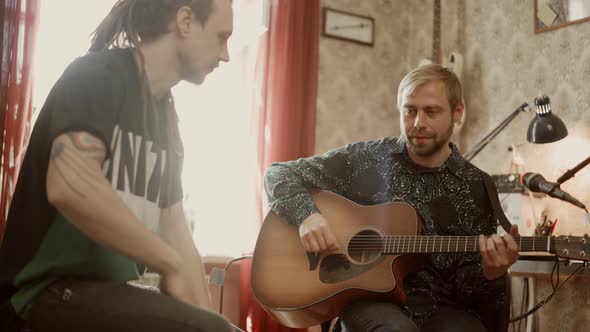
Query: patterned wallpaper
point(504, 64)
point(356, 97)
point(358, 84)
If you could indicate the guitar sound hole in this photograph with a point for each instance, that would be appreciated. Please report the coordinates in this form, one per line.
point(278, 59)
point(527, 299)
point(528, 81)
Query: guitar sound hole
point(365, 246)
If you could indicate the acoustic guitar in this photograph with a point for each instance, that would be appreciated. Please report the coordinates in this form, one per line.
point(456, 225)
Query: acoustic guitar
point(379, 245)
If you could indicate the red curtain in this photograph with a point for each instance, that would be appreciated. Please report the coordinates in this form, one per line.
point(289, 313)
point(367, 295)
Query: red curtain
point(19, 23)
point(286, 112)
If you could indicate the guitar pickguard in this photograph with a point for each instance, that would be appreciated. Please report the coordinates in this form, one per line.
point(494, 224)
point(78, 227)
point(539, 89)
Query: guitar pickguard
point(337, 268)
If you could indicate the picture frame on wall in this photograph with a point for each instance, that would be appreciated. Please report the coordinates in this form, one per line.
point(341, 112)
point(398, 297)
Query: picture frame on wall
point(348, 27)
point(554, 14)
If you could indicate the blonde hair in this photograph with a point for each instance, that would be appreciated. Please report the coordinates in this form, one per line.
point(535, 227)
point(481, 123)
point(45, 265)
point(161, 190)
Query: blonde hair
point(424, 74)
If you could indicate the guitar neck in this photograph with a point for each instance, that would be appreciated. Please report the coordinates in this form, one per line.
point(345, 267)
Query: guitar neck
point(436, 25)
point(414, 244)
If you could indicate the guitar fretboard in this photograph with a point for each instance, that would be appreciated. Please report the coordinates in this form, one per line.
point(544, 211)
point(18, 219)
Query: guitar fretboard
point(413, 244)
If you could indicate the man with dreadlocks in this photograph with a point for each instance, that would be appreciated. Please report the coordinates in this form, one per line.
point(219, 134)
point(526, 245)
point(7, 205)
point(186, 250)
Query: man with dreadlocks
point(99, 197)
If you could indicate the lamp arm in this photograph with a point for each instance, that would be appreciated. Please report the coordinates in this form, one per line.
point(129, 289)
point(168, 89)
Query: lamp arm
point(489, 137)
point(571, 172)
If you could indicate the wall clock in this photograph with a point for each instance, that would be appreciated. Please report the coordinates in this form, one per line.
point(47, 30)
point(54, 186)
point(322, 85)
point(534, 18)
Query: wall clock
point(349, 27)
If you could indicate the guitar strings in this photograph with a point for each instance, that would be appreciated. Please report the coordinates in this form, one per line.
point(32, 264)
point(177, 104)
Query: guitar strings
point(438, 243)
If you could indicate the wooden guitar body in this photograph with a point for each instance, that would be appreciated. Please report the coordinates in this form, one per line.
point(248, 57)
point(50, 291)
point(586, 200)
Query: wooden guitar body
point(302, 290)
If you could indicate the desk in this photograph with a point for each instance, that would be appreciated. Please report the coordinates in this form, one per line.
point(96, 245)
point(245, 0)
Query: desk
point(542, 264)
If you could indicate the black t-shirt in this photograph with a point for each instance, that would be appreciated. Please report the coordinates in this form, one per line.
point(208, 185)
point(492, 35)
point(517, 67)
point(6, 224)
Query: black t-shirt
point(99, 93)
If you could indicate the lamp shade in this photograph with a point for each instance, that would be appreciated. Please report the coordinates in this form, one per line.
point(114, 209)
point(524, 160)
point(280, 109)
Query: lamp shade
point(545, 127)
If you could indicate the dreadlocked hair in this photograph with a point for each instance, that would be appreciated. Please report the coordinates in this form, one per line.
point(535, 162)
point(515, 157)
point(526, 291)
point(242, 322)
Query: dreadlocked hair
point(132, 21)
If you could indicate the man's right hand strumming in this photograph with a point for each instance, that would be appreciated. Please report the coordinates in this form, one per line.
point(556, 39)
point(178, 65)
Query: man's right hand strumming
point(316, 234)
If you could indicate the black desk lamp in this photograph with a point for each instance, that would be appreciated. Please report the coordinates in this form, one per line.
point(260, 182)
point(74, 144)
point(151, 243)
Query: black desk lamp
point(544, 128)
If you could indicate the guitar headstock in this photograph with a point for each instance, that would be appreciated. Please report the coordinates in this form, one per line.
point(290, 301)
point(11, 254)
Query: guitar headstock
point(572, 247)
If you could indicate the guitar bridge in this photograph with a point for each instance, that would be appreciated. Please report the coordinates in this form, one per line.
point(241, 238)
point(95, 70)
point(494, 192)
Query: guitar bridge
point(337, 268)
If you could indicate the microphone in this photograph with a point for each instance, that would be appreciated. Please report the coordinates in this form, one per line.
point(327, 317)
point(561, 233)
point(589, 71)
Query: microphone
point(537, 183)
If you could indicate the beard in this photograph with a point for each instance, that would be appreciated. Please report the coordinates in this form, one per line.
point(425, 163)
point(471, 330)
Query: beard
point(436, 142)
point(189, 73)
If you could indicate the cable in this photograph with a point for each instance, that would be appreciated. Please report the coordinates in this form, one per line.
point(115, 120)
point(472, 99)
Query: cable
point(555, 285)
point(525, 302)
point(508, 194)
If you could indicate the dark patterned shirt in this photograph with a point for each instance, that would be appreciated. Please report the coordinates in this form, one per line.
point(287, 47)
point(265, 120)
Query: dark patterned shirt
point(450, 200)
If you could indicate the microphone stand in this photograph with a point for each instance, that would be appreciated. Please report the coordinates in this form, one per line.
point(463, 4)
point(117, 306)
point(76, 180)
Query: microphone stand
point(570, 173)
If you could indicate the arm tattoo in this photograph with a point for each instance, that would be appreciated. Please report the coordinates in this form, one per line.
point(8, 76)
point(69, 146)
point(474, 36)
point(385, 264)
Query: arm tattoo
point(83, 146)
point(56, 150)
point(87, 144)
